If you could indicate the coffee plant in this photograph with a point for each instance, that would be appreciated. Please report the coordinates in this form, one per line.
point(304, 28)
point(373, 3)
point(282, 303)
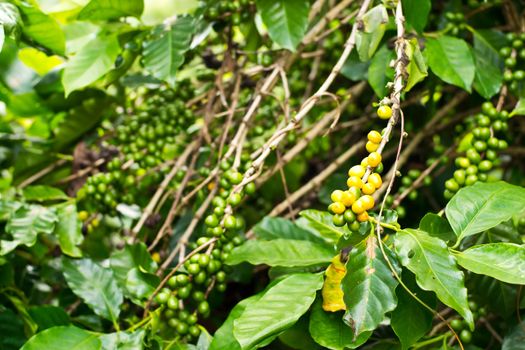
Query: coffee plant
point(277, 174)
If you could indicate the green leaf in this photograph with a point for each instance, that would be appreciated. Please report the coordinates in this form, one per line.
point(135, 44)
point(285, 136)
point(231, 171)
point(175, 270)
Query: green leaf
point(123, 341)
point(466, 142)
point(520, 108)
point(489, 77)
point(280, 252)
point(416, 68)
point(436, 226)
point(68, 230)
point(164, 52)
point(42, 193)
point(380, 72)
point(25, 224)
point(372, 31)
point(320, 222)
point(279, 308)
point(329, 330)
point(134, 270)
point(12, 335)
point(502, 261)
point(42, 28)
point(416, 13)
point(368, 286)
point(298, 335)
point(90, 63)
point(287, 20)
point(223, 337)
point(272, 228)
point(410, 320)
point(49, 316)
point(95, 285)
point(354, 69)
point(515, 339)
point(451, 60)
point(435, 269)
point(63, 338)
point(110, 9)
point(482, 206)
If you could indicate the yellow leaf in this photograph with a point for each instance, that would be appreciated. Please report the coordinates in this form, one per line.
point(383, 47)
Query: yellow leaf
point(37, 60)
point(332, 292)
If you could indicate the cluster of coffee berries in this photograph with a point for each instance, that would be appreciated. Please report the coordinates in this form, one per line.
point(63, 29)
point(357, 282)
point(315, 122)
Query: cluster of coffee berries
point(462, 327)
point(455, 22)
point(219, 223)
point(351, 207)
point(514, 54)
point(482, 152)
point(224, 11)
point(149, 137)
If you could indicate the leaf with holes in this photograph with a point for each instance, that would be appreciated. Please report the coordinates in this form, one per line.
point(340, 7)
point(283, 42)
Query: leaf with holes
point(502, 261)
point(95, 285)
point(286, 20)
point(280, 252)
point(482, 206)
point(435, 268)
point(25, 224)
point(164, 52)
point(368, 287)
point(279, 308)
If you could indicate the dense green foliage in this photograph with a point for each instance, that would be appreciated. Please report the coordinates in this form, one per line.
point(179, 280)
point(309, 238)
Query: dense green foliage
point(280, 174)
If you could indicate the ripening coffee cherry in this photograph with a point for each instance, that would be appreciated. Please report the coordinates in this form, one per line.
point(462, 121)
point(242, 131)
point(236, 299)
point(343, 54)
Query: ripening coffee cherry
point(374, 159)
point(384, 112)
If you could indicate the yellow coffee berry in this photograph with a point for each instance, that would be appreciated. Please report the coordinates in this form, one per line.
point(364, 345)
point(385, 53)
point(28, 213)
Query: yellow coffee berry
point(368, 201)
point(363, 217)
point(368, 188)
point(357, 170)
point(337, 208)
point(375, 179)
point(364, 162)
point(371, 146)
point(384, 112)
point(337, 196)
point(374, 136)
point(83, 215)
point(348, 199)
point(358, 207)
point(354, 181)
point(374, 159)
